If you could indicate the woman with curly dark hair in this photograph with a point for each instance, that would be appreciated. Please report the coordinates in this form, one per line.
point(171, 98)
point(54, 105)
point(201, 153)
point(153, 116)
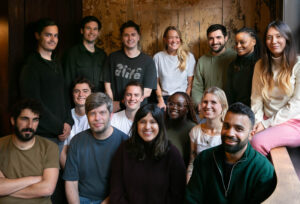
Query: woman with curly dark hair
point(147, 168)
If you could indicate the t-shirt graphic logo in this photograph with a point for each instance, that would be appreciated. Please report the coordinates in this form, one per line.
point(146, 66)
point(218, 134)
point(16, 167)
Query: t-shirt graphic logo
point(128, 73)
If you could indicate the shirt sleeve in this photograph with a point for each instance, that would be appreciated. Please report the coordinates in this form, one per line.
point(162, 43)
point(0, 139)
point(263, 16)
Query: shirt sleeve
point(292, 108)
point(52, 156)
point(194, 190)
point(256, 97)
point(71, 171)
point(191, 65)
point(198, 86)
point(150, 75)
point(156, 62)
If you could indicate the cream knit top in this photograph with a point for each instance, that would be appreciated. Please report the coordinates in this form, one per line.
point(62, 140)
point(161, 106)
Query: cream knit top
point(279, 108)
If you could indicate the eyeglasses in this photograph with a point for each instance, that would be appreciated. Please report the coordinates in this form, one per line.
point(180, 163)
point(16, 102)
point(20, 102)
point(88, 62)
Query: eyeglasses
point(178, 105)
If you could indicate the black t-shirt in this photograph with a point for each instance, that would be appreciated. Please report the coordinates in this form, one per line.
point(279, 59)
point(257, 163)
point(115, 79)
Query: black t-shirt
point(120, 69)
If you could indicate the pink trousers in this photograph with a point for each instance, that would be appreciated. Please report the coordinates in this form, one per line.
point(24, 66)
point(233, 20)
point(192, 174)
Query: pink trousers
point(285, 134)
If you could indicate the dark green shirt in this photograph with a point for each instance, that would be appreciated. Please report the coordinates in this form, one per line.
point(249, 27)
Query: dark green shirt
point(179, 137)
point(81, 62)
point(252, 178)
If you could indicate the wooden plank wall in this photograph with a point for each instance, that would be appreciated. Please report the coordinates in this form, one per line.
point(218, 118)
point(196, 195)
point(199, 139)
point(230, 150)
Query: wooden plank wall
point(191, 16)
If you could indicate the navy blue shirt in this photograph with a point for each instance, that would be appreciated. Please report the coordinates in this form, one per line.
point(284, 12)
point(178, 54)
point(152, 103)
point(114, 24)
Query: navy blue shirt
point(89, 162)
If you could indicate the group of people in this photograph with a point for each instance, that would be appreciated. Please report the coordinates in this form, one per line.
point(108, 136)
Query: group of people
point(116, 146)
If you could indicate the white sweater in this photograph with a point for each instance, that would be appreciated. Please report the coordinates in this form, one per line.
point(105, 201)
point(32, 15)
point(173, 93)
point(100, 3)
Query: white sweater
point(279, 108)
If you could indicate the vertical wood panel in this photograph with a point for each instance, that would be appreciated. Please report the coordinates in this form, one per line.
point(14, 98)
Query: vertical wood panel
point(191, 16)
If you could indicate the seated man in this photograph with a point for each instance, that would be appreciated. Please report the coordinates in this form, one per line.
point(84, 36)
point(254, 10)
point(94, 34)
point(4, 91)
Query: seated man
point(134, 95)
point(81, 89)
point(28, 163)
point(90, 153)
point(232, 172)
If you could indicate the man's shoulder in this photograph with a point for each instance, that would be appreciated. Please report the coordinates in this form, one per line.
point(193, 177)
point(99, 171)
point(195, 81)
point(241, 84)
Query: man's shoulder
point(118, 115)
point(4, 140)
point(44, 142)
point(118, 134)
point(117, 53)
point(257, 159)
point(209, 154)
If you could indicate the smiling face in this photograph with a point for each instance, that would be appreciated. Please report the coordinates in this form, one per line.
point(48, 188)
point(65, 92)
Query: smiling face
point(235, 132)
point(48, 38)
point(147, 128)
point(25, 125)
point(80, 93)
point(90, 32)
point(216, 42)
point(244, 43)
point(177, 107)
point(172, 40)
point(211, 108)
point(130, 38)
point(275, 42)
point(133, 98)
point(99, 119)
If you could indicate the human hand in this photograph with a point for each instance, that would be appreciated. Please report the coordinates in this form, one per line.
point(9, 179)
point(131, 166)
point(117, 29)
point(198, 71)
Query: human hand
point(66, 132)
point(258, 128)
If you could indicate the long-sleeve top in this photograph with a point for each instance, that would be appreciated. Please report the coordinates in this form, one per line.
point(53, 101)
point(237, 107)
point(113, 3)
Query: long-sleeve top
point(239, 79)
point(211, 71)
point(148, 181)
point(279, 107)
point(43, 80)
point(251, 179)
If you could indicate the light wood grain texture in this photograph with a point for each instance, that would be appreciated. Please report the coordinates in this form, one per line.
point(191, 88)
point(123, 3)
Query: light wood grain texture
point(192, 17)
point(288, 185)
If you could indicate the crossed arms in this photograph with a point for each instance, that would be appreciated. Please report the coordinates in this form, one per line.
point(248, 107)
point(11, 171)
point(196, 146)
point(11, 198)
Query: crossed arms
point(30, 186)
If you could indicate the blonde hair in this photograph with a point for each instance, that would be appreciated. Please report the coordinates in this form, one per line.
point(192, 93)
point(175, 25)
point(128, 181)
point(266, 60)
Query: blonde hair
point(182, 51)
point(220, 94)
point(289, 58)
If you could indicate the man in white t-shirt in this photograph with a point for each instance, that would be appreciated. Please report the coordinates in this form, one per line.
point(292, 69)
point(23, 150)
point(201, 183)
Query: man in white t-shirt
point(134, 95)
point(82, 88)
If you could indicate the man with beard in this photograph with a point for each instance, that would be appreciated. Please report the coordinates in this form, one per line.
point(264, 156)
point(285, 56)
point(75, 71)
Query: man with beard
point(85, 59)
point(211, 69)
point(42, 79)
point(128, 64)
point(232, 172)
point(28, 163)
point(90, 153)
point(133, 97)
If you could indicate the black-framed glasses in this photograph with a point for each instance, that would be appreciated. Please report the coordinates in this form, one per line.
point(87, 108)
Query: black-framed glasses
point(178, 105)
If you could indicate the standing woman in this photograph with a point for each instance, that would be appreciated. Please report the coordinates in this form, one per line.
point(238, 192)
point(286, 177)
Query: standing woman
point(240, 72)
point(175, 66)
point(208, 134)
point(275, 98)
point(147, 168)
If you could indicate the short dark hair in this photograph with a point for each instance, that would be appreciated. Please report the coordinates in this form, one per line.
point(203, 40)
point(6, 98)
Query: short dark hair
point(88, 19)
point(81, 80)
point(42, 23)
point(240, 108)
point(129, 24)
point(215, 27)
point(159, 146)
point(98, 99)
point(134, 83)
point(26, 103)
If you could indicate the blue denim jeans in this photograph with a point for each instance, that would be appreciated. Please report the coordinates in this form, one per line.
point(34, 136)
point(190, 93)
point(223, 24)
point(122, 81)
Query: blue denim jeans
point(84, 200)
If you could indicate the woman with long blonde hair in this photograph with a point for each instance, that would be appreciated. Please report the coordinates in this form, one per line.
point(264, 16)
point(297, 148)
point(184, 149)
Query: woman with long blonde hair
point(175, 66)
point(275, 97)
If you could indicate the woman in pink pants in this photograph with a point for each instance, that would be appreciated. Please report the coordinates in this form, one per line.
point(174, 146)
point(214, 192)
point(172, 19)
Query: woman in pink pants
point(275, 98)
